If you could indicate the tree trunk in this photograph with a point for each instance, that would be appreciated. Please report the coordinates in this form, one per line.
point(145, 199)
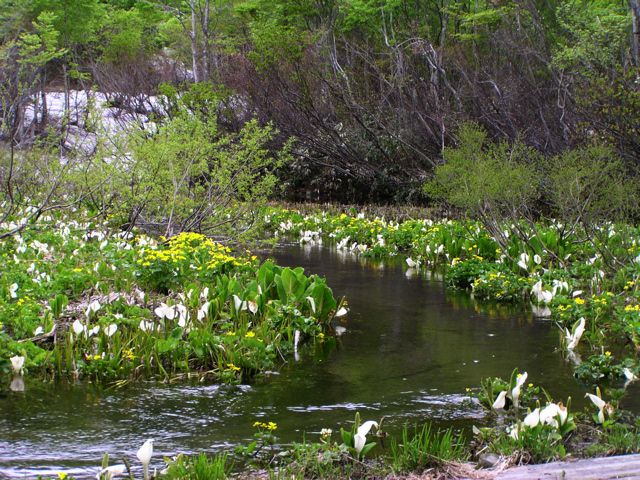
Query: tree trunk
point(206, 43)
point(193, 35)
point(635, 32)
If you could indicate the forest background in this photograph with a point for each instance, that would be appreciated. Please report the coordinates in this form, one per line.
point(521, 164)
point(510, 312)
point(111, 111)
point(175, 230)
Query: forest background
point(341, 100)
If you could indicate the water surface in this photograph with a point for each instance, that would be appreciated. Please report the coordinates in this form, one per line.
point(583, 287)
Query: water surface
point(409, 352)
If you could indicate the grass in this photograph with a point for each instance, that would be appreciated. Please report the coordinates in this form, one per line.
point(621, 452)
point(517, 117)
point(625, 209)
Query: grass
point(200, 467)
point(425, 448)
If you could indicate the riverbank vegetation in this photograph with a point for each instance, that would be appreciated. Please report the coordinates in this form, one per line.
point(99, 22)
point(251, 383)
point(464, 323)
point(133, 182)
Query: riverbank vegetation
point(141, 142)
point(82, 301)
point(364, 450)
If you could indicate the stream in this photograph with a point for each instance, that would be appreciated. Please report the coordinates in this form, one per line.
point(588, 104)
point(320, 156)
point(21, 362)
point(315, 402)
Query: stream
point(410, 350)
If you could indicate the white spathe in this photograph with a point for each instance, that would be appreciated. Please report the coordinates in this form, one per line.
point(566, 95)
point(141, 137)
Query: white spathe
point(239, 304)
point(599, 403)
point(144, 454)
point(411, 263)
point(500, 400)
point(533, 419)
point(341, 312)
point(549, 415)
point(515, 393)
point(165, 311)
point(146, 326)
point(77, 327)
point(360, 438)
point(112, 471)
point(574, 338)
point(17, 363)
point(359, 442)
point(252, 305)
point(203, 311)
point(312, 302)
point(110, 330)
point(541, 295)
point(93, 307)
point(524, 260)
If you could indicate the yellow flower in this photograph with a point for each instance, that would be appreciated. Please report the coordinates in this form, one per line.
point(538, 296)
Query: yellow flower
point(608, 354)
point(232, 367)
point(128, 354)
point(579, 301)
point(62, 475)
point(250, 335)
point(97, 357)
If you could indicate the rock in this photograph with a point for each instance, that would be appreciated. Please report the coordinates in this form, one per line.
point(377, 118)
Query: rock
point(79, 140)
point(488, 460)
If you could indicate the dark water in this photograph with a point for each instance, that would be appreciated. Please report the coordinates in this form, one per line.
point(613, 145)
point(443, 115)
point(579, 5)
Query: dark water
point(408, 354)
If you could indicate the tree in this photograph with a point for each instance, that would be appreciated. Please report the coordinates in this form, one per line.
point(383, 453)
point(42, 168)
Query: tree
point(188, 175)
point(486, 180)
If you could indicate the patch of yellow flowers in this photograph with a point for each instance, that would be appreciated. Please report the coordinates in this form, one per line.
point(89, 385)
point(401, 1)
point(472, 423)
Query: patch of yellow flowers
point(271, 426)
point(189, 245)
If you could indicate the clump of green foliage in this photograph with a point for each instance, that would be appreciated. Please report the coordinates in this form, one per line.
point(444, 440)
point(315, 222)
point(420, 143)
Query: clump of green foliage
point(427, 448)
point(79, 300)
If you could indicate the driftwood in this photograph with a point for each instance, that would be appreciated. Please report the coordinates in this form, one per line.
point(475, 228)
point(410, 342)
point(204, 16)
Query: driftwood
point(43, 338)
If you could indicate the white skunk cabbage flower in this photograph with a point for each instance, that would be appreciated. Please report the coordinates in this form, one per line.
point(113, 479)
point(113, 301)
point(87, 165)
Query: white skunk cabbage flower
point(146, 326)
point(498, 404)
point(111, 472)
point(239, 304)
point(252, 305)
point(17, 363)
point(550, 414)
point(515, 393)
point(312, 302)
point(165, 311)
point(599, 403)
point(144, 454)
point(110, 330)
point(574, 338)
point(93, 307)
point(533, 419)
point(524, 260)
point(360, 438)
point(342, 312)
point(203, 311)
point(541, 295)
point(77, 327)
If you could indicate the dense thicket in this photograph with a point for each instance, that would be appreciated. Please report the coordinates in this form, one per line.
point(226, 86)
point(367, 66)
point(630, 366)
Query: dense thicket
point(372, 90)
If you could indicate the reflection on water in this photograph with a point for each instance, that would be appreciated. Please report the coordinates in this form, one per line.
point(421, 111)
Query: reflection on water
point(409, 352)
